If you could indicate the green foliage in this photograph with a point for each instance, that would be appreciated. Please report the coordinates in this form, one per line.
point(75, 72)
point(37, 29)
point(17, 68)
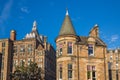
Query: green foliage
point(30, 72)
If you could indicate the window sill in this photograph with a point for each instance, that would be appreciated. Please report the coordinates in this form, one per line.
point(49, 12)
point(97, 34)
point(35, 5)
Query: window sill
point(91, 55)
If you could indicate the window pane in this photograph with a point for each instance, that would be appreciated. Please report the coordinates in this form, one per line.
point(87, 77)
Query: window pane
point(88, 67)
point(117, 75)
point(90, 49)
point(69, 73)
point(60, 73)
point(93, 74)
point(3, 51)
point(15, 49)
point(69, 47)
point(22, 48)
point(69, 70)
point(69, 66)
point(29, 48)
point(88, 74)
point(3, 44)
point(60, 50)
point(93, 68)
point(94, 79)
point(2, 65)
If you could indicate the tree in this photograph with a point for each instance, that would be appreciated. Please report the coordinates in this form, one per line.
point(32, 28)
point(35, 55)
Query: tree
point(30, 72)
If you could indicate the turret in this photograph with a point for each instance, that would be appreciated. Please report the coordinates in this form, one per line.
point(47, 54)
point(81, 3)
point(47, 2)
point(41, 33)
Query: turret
point(66, 38)
point(66, 48)
point(67, 27)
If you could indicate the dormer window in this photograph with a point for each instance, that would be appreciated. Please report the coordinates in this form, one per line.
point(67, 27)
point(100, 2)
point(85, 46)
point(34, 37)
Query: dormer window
point(90, 50)
point(69, 49)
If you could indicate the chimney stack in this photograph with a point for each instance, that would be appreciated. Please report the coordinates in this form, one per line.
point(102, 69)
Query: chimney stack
point(13, 35)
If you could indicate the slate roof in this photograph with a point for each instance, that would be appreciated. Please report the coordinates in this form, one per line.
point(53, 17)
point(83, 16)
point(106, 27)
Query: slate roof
point(83, 40)
point(67, 27)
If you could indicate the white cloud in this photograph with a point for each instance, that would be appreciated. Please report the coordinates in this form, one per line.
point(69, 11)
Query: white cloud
point(25, 10)
point(114, 38)
point(6, 11)
point(5, 15)
point(112, 41)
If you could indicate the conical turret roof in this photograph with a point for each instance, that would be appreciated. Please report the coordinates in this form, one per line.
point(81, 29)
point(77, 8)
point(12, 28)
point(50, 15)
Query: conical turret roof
point(67, 27)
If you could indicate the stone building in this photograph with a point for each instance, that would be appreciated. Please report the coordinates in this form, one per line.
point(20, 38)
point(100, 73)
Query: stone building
point(33, 47)
point(6, 50)
point(113, 59)
point(0, 62)
point(80, 57)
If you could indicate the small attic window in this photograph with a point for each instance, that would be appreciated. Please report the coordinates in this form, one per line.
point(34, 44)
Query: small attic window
point(90, 49)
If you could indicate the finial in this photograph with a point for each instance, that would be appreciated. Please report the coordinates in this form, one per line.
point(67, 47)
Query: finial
point(96, 25)
point(67, 12)
point(34, 25)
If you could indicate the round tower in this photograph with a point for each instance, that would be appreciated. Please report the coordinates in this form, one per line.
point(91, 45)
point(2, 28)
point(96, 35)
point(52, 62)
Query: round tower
point(66, 49)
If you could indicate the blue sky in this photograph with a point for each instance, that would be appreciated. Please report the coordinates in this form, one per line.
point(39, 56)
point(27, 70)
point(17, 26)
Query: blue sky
point(49, 14)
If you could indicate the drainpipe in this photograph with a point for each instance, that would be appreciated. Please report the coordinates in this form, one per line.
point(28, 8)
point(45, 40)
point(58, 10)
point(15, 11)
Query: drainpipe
point(78, 61)
point(104, 63)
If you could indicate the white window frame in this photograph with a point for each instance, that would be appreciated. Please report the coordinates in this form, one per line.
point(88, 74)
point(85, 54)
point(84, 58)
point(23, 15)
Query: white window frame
point(93, 54)
point(72, 48)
